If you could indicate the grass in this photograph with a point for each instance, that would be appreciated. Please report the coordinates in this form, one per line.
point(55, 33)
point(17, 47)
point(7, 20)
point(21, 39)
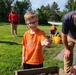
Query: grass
point(11, 49)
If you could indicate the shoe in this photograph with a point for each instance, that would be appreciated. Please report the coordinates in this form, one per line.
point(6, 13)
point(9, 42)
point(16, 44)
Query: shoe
point(13, 36)
point(16, 35)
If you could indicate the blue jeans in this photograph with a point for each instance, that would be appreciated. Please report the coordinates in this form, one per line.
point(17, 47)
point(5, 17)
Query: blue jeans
point(29, 66)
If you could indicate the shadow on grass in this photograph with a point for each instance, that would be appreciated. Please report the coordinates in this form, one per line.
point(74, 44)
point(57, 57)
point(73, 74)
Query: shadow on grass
point(20, 36)
point(8, 42)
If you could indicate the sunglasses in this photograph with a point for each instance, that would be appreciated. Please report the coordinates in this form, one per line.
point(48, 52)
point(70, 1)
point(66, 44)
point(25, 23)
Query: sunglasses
point(32, 23)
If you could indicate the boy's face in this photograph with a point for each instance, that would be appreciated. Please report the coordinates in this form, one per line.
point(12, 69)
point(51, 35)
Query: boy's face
point(32, 23)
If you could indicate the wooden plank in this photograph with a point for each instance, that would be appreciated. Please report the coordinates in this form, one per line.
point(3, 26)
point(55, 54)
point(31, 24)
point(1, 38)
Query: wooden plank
point(36, 71)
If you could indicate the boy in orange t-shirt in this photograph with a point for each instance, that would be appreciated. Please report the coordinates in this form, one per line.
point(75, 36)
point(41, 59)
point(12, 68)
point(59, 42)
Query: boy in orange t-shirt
point(33, 41)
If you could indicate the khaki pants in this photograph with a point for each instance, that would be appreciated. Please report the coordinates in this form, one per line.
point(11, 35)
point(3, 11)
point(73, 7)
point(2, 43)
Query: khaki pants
point(69, 61)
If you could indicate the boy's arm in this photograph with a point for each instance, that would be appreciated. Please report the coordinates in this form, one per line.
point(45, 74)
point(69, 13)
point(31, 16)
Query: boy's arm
point(22, 55)
point(46, 42)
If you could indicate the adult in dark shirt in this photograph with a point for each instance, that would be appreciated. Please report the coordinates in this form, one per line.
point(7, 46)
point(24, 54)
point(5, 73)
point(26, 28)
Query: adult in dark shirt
point(69, 38)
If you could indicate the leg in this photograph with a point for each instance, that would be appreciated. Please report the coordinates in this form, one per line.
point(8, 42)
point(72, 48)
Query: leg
point(15, 27)
point(12, 29)
point(69, 61)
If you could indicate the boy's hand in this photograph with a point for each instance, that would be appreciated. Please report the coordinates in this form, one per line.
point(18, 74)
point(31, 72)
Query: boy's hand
point(48, 41)
point(22, 62)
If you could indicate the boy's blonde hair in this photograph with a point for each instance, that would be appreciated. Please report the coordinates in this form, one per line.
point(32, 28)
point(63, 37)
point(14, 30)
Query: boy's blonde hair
point(30, 15)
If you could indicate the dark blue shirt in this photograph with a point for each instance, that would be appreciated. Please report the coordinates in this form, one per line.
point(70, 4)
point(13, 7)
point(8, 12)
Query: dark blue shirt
point(68, 26)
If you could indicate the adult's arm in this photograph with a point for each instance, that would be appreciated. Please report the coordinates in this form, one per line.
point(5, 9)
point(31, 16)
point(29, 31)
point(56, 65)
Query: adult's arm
point(64, 40)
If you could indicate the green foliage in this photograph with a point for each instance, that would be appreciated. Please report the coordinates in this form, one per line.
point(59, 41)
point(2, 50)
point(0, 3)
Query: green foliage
point(54, 10)
point(50, 53)
point(43, 16)
point(74, 5)
point(5, 7)
point(54, 7)
point(69, 5)
point(45, 13)
point(21, 8)
point(48, 12)
point(11, 49)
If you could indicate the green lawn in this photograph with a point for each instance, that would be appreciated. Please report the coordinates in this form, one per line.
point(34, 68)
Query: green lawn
point(11, 49)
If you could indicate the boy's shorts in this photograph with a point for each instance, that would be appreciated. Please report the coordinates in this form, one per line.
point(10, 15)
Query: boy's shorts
point(29, 66)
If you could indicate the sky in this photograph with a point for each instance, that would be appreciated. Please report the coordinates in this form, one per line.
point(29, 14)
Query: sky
point(38, 3)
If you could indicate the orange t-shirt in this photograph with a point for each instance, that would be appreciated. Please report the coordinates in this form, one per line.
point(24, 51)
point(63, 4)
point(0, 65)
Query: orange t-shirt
point(33, 50)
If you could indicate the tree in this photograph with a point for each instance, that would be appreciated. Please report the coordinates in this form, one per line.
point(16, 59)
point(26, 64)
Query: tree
point(48, 12)
point(69, 5)
point(54, 7)
point(5, 7)
point(74, 5)
point(54, 12)
point(43, 15)
point(22, 7)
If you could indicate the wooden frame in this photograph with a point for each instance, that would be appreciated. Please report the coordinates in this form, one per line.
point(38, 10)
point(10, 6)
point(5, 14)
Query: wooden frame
point(41, 71)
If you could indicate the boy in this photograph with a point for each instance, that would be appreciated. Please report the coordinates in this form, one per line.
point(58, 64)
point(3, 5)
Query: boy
point(33, 41)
